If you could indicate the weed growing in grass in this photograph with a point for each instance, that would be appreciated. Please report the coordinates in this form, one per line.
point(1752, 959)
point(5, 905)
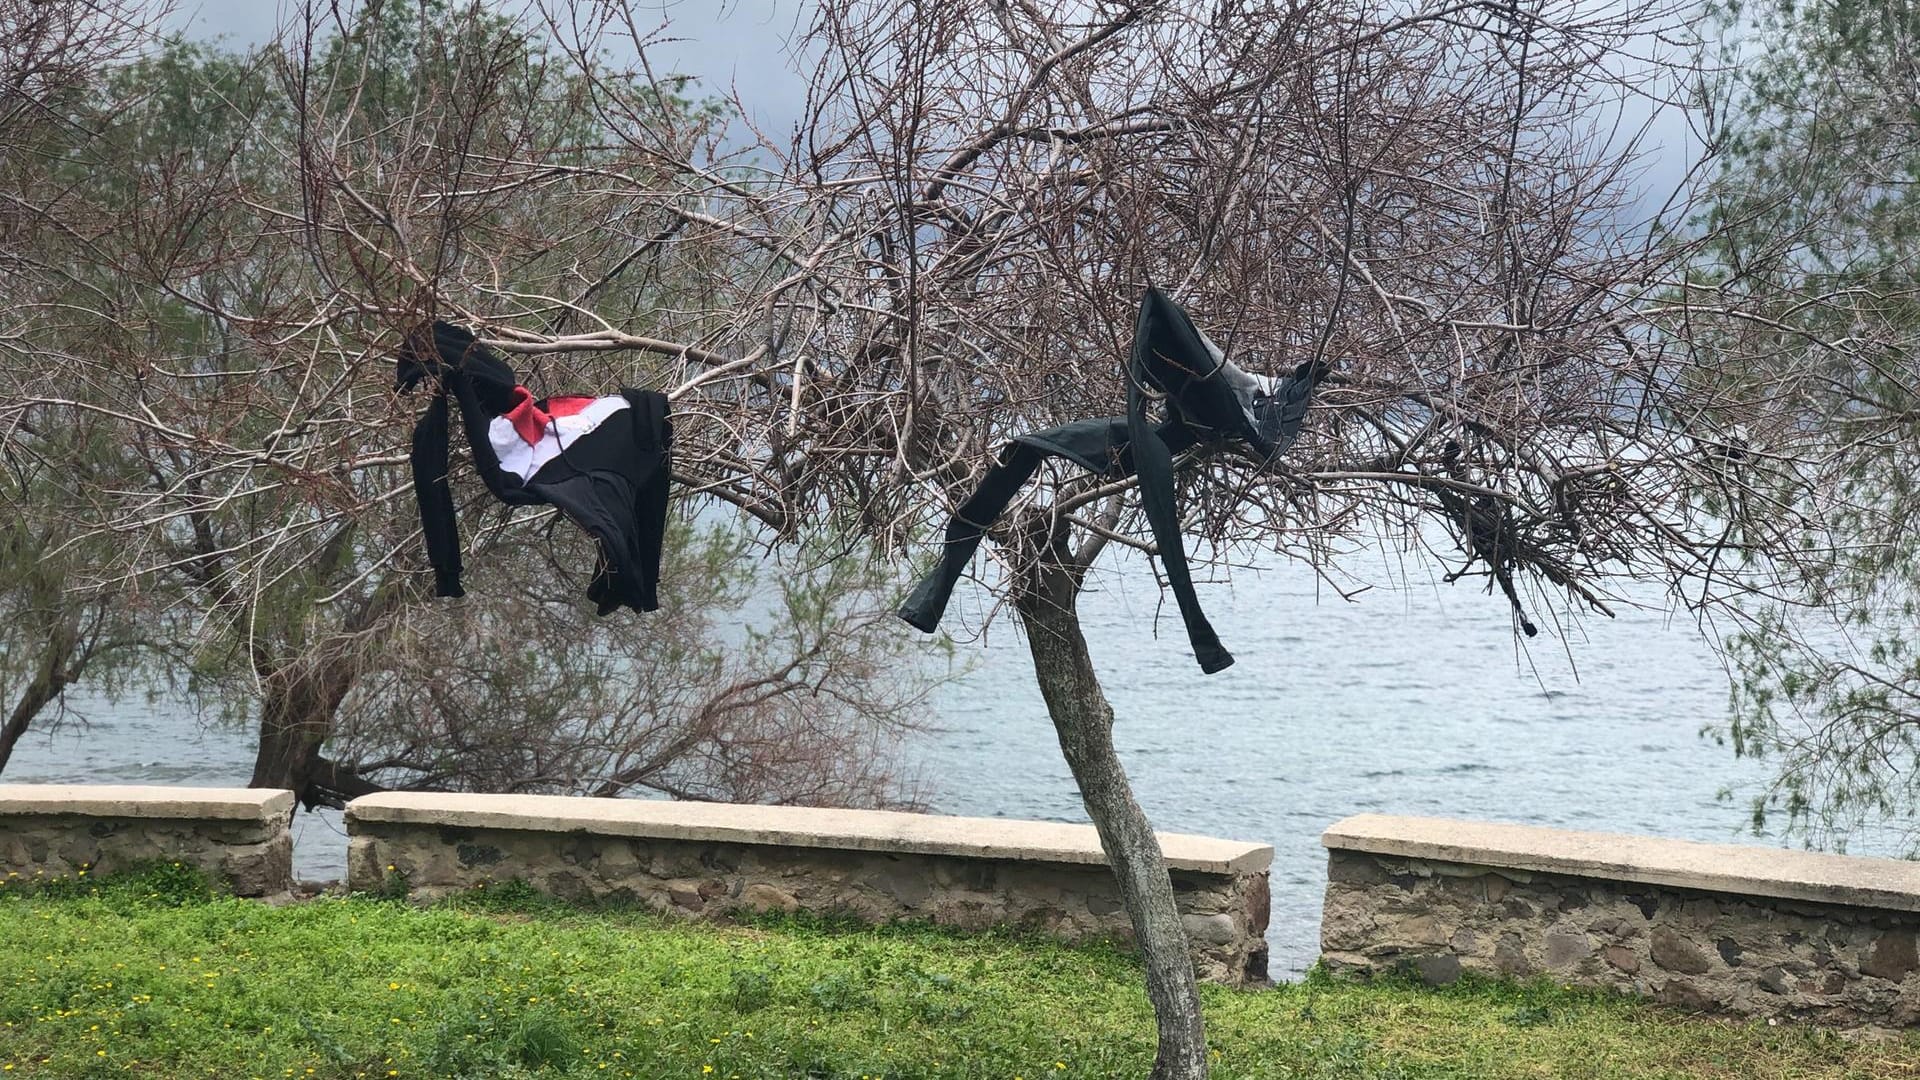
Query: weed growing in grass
point(155, 883)
point(751, 988)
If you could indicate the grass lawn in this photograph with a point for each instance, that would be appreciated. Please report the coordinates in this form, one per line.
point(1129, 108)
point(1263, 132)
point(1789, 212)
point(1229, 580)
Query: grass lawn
point(151, 976)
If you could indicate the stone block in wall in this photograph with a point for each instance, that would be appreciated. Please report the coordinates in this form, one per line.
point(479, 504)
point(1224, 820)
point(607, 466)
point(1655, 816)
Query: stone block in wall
point(239, 837)
point(1722, 928)
point(708, 860)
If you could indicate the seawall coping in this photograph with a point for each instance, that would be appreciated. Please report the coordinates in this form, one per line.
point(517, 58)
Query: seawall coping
point(145, 801)
point(1747, 870)
point(795, 826)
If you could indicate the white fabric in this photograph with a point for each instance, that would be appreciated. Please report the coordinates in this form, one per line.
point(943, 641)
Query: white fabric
point(523, 460)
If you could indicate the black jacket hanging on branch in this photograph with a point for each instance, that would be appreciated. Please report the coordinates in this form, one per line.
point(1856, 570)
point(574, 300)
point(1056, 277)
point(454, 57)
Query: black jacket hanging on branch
point(1207, 397)
point(604, 462)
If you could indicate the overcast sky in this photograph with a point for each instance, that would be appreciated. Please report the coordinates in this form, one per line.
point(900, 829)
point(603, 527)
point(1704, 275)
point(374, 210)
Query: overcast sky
point(731, 46)
point(739, 47)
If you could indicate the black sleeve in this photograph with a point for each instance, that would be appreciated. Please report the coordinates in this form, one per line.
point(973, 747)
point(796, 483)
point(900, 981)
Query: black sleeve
point(1017, 463)
point(1153, 461)
point(1099, 446)
point(431, 491)
point(653, 431)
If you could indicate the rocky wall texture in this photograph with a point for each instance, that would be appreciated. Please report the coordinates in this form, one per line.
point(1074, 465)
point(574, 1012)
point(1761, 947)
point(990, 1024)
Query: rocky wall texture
point(1700, 950)
point(251, 858)
point(1225, 914)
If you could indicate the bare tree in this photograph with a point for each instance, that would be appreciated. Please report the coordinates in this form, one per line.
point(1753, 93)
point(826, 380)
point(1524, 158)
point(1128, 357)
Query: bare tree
point(757, 681)
point(1425, 196)
point(53, 628)
point(949, 250)
point(52, 51)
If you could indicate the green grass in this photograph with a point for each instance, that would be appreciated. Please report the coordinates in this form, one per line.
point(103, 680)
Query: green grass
point(153, 976)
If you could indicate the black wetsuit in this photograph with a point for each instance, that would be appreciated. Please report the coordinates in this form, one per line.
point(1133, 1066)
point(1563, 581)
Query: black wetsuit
point(1207, 399)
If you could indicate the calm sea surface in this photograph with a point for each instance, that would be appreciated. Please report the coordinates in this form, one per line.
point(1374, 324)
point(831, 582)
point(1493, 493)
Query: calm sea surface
point(1413, 700)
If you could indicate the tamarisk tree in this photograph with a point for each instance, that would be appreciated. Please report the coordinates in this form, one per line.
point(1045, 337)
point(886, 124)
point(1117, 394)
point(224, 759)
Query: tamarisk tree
point(220, 251)
point(947, 250)
point(1432, 199)
point(54, 629)
point(1801, 316)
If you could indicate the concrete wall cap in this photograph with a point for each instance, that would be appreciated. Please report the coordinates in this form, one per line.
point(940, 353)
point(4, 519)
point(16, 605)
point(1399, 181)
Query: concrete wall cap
point(793, 826)
point(1739, 869)
point(145, 801)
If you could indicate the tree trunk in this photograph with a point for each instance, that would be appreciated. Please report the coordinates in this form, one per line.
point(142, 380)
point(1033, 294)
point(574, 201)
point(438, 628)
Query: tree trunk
point(296, 716)
point(47, 684)
point(302, 696)
point(1084, 721)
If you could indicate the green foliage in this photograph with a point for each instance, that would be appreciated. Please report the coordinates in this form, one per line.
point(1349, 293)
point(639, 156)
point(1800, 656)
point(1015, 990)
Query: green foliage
point(103, 982)
point(751, 988)
point(393, 886)
point(1814, 227)
point(156, 884)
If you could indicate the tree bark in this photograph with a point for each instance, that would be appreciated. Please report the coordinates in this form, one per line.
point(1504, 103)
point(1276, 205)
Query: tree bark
point(296, 716)
point(302, 697)
point(60, 669)
point(1084, 721)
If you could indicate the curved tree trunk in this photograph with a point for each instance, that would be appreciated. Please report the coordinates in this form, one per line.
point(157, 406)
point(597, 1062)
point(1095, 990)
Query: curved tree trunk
point(296, 717)
point(60, 668)
point(301, 698)
point(1084, 721)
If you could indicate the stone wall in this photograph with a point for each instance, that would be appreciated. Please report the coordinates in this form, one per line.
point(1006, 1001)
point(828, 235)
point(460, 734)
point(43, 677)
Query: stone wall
point(709, 860)
point(238, 836)
point(1744, 930)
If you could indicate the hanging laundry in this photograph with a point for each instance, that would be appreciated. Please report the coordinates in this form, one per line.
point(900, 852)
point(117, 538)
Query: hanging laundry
point(604, 462)
point(1207, 398)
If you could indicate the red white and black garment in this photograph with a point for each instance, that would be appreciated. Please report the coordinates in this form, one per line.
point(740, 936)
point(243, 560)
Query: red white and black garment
point(603, 461)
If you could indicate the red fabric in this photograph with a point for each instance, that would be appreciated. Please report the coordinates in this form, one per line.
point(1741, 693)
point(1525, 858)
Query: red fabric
point(528, 420)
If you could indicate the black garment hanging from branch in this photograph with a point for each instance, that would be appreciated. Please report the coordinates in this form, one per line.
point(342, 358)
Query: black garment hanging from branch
point(1208, 398)
point(604, 462)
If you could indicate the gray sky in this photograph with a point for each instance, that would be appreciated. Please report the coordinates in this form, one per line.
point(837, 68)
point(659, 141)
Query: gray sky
point(731, 46)
point(740, 47)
